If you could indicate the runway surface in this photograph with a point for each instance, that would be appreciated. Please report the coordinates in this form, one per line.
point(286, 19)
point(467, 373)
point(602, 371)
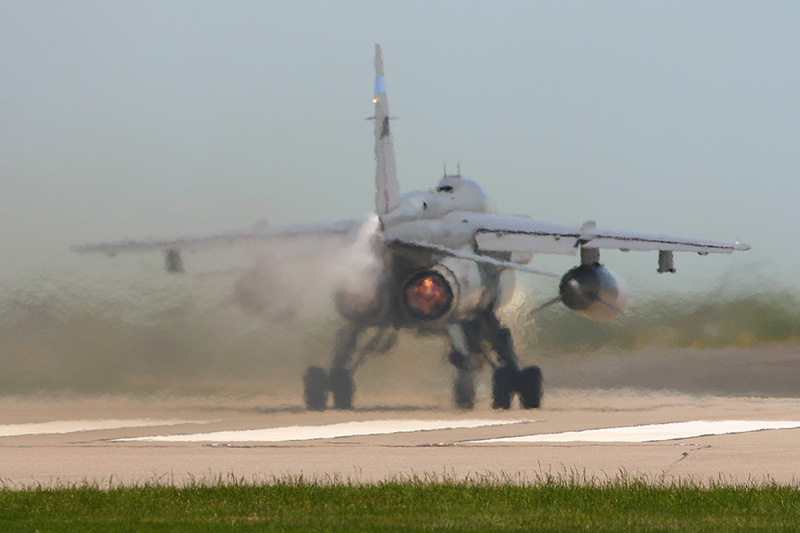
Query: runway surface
point(594, 434)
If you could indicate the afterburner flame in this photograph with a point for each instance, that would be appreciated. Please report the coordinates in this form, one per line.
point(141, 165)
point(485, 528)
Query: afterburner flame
point(428, 296)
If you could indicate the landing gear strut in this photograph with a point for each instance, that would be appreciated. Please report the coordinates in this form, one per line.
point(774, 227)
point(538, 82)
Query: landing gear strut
point(467, 340)
point(339, 381)
point(508, 378)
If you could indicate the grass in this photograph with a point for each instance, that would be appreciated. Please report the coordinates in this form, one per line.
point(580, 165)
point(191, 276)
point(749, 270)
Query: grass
point(548, 504)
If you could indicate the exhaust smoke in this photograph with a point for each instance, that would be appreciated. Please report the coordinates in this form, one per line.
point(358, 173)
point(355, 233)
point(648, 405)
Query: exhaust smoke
point(300, 276)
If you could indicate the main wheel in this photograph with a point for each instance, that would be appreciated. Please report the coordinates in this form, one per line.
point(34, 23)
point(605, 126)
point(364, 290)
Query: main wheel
point(464, 389)
point(315, 382)
point(530, 387)
point(504, 384)
point(342, 387)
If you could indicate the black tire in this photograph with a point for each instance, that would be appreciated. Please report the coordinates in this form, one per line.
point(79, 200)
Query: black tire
point(531, 387)
point(504, 384)
point(342, 387)
point(464, 389)
point(315, 382)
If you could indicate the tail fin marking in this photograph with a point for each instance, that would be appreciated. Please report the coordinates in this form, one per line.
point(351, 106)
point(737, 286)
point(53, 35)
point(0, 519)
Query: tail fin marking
point(387, 195)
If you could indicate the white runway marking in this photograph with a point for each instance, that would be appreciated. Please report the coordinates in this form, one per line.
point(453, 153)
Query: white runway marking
point(330, 431)
point(74, 426)
point(653, 432)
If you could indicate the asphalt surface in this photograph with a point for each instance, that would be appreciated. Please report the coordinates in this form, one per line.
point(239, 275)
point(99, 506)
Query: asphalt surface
point(109, 440)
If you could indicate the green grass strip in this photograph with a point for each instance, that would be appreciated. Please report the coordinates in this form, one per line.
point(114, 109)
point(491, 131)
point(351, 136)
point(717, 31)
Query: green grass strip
point(415, 505)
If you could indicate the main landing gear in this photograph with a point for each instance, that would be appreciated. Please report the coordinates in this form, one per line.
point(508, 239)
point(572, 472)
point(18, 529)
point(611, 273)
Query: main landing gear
point(508, 379)
point(318, 384)
point(468, 340)
point(339, 382)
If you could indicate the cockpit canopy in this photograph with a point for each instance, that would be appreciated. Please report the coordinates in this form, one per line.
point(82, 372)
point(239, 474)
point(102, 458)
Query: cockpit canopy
point(468, 195)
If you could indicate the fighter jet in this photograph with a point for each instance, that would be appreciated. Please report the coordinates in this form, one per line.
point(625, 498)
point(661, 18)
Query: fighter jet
point(447, 264)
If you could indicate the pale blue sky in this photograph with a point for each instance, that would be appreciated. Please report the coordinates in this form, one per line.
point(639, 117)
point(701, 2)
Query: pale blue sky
point(161, 118)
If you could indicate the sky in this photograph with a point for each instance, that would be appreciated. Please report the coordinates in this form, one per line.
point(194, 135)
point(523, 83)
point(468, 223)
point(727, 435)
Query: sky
point(152, 118)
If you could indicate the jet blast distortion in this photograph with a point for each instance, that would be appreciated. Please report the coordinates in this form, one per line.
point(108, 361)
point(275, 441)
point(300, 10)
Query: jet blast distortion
point(447, 266)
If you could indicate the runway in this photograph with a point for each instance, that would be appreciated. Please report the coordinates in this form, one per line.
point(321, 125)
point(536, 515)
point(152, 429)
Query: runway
point(592, 434)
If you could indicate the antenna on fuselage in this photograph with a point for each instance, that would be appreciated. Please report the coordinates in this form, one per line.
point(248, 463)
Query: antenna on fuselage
point(458, 170)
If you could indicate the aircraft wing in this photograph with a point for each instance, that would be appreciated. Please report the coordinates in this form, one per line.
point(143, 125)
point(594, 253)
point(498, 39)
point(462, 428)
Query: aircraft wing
point(498, 233)
point(487, 260)
point(258, 233)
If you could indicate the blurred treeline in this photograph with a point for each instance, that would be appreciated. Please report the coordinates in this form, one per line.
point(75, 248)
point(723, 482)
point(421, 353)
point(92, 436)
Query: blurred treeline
point(174, 338)
point(699, 320)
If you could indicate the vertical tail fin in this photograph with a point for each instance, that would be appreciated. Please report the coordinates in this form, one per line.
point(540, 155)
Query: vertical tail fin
point(387, 196)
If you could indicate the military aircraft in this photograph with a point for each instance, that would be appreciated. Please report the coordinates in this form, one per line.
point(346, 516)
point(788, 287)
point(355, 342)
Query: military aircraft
point(446, 265)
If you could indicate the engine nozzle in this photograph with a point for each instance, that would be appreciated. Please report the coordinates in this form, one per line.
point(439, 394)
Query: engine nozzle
point(427, 295)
